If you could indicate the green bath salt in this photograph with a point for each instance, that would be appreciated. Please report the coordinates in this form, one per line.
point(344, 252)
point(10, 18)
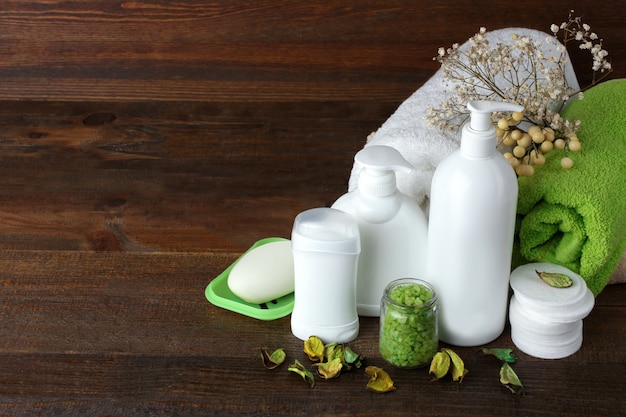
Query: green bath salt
point(408, 323)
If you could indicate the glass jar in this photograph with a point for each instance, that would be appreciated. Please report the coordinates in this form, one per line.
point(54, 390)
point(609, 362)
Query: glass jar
point(408, 335)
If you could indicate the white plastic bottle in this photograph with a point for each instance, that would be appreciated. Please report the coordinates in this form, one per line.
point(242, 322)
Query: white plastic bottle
point(393, 227)
point(326, 246)
point(471, 225)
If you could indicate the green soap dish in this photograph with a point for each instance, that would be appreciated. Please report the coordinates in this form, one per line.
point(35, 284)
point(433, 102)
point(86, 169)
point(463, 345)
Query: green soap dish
point(218, 294)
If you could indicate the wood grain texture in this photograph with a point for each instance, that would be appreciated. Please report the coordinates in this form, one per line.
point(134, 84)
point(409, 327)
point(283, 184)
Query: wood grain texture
point(130, 334)
point(263, 51)
point(145, 145)
point(170, 176)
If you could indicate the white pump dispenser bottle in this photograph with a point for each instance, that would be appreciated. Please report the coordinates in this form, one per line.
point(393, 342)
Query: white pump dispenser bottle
point(473, 205)
point(393, 227)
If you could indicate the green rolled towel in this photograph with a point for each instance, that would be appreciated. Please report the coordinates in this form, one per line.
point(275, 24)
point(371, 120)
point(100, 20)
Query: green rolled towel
point(577, 218)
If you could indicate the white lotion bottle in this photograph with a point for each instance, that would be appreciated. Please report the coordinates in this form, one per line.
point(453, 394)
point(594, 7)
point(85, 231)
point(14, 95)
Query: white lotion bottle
point(393, 227)
point(473, 204)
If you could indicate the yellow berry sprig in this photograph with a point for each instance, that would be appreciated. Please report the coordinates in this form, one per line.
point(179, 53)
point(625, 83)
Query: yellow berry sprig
point(527, 148)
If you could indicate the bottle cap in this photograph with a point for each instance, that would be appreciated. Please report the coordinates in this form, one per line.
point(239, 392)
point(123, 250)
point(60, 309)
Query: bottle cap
point(478, 138)
point(325, 229)
point(379, 163)
point(480, 112)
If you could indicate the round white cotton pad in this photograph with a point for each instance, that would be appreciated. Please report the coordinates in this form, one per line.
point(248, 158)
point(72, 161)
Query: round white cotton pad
point(557, 304)
point(546, 322)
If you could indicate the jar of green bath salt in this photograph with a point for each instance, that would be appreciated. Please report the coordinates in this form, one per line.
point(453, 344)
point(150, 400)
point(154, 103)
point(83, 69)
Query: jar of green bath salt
point(408, 323)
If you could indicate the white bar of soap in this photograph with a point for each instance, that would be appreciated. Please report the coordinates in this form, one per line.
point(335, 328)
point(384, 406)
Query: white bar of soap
point(263, 274)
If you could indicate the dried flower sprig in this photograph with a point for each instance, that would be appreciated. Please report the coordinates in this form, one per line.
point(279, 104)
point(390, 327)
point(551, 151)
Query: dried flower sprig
point(521, 72)
point(575, 30)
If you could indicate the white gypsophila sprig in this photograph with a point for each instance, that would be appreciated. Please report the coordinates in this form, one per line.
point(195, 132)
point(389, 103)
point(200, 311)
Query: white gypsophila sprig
point(575, 30)
point(528, 72)
point(516, 72)
point(519, 72)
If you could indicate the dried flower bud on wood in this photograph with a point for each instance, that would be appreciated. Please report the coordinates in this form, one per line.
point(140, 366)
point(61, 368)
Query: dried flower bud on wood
point(509, 379)
point(274, 359)
point(440, 365)
point(447, 361)
point(380, 381)
point(299, 369)
point(330, 369)
point(314, 348)
point(457, 369)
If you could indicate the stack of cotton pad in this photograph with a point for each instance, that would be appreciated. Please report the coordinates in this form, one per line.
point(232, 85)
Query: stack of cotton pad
point(546, 322)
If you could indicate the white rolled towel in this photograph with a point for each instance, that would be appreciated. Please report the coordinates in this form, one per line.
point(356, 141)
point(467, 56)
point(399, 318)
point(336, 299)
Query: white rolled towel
point(426, 146)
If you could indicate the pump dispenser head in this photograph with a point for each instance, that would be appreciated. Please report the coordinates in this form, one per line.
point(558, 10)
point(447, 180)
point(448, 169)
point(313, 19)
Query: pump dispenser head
point(479, 137)
point(378, 164)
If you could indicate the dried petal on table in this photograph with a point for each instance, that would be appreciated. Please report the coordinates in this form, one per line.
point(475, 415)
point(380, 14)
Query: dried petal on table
point(504, 354)
point(509, 379)
point(380, 381)
point(457, 369)
point(439, 365)
point(299, 369)
point(315, 349)
point(274, 359)
point(330, 369)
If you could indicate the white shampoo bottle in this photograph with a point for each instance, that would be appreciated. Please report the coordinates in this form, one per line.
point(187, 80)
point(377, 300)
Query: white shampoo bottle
point(393, 227)
point(473, 204)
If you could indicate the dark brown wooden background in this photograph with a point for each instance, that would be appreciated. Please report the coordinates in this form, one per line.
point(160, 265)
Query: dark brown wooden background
point(144, 145)
point(255, 51)
point(188, 95)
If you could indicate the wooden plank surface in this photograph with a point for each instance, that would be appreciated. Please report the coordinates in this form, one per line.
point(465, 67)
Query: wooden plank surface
point(279, 50)
point(145, 145)
point(112, 227)
point(170, 176)
point(131, 334)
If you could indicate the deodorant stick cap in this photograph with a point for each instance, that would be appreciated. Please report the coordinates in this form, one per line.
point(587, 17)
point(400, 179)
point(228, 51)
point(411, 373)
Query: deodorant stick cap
point(325, 229)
